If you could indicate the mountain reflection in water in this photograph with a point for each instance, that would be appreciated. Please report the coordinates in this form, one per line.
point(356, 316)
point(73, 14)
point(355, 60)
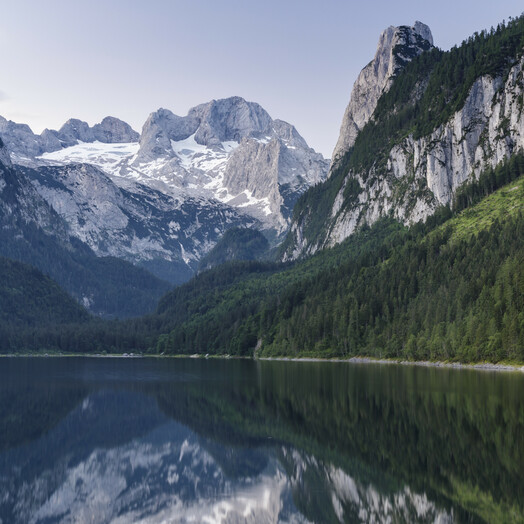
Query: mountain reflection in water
point(146, 440)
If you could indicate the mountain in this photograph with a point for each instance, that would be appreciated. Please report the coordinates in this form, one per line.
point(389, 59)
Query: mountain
point(434, 121)
point(228, 151)
point(24, 145)
point(159, 232)
point(162, 199)
point(31, 231)
point(232, 151)
point(396, 47)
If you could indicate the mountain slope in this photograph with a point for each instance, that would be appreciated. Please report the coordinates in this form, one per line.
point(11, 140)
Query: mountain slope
point(28, 298)
point(445, 118)
point(136, 223)
point(32, 232)
point(236, 244)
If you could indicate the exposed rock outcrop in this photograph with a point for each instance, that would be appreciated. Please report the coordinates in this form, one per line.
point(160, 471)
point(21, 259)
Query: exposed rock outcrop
point(396, 47)
point(487, 130)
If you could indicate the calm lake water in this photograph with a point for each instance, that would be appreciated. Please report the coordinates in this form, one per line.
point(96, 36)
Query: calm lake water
point(148, 440)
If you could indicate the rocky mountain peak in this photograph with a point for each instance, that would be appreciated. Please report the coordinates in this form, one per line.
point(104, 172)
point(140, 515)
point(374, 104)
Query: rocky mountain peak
point(423, 30)
point(74, 130)
point(110, 131)
point(114, 131)
point(230, 119)
point(396, 47)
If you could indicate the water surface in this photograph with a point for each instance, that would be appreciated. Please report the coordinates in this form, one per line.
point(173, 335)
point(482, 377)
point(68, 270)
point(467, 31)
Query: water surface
point(195, 440)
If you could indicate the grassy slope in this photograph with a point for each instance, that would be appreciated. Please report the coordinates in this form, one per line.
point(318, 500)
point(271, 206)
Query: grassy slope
point(505, 203)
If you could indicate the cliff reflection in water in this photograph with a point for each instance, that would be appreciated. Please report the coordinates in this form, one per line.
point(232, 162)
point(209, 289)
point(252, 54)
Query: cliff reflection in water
point(113, 440)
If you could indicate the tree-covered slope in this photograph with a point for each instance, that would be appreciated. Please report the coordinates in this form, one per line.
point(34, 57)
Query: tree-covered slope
point(29, 298)
point(454, 291)
point(236, 244)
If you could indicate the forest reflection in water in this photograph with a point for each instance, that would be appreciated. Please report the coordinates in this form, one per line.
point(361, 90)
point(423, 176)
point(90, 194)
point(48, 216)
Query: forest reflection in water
point(150, 440)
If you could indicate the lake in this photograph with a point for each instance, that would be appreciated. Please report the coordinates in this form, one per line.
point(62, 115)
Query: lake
point(196, 440)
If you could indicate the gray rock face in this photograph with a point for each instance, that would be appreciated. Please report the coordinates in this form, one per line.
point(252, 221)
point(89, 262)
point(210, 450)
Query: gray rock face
point(5, 157)
point(482, 134)
point(114, 131)
point(230, 119)
point(19, 139)
point(20, 203)
point(396, 47)
point(135, 223)
point(50, 141)
point(73, 131)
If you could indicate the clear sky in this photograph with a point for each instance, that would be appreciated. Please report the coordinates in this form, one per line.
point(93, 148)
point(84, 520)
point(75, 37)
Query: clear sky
point(126, 58)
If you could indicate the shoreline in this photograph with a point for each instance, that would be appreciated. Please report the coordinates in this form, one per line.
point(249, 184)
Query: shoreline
point(480, 366)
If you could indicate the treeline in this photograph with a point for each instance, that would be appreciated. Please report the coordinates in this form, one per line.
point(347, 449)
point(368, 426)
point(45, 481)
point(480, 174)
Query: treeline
point(489, 181)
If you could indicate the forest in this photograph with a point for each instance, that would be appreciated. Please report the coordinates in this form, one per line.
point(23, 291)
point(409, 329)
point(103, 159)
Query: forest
point(451, 288)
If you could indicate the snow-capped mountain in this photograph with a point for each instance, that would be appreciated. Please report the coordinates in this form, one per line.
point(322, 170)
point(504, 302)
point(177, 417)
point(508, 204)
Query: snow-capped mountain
point(229, 150)
point(166, 196)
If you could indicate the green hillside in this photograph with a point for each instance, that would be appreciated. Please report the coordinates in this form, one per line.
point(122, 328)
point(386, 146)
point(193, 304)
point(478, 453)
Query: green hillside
point(29, 298)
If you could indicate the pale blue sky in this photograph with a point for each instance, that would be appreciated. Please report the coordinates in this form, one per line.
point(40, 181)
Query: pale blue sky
point(127, 58)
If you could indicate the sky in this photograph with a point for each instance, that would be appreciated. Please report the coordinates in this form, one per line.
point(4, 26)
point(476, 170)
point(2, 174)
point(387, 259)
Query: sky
point(126, 58)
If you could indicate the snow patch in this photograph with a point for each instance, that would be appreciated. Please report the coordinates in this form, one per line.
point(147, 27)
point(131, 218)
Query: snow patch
point(108, 157)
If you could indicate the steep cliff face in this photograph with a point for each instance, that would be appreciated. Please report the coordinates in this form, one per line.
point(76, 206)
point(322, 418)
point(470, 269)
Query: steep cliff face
point(461, 113)
point(396, 47)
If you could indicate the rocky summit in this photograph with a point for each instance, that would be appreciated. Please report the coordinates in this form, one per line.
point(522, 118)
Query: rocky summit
point(396, 47)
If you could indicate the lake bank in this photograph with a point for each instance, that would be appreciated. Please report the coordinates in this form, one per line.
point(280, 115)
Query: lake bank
point(481, 366)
